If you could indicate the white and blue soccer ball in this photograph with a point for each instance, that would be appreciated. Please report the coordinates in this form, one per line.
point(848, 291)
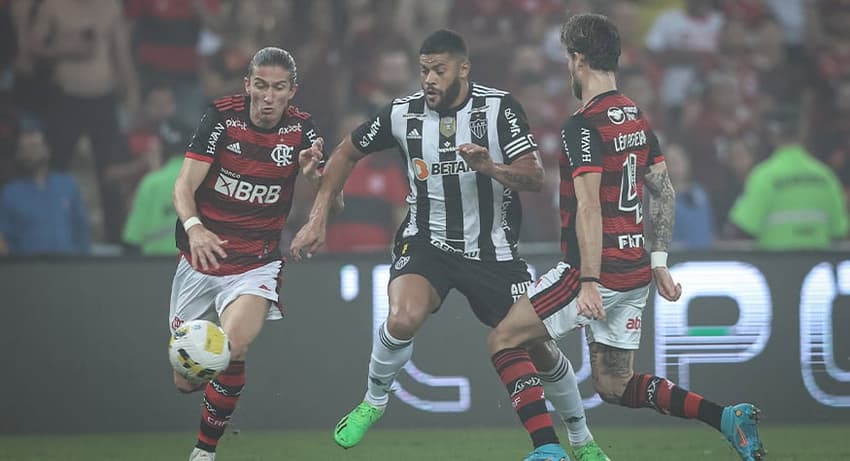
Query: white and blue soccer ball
point(199, 350)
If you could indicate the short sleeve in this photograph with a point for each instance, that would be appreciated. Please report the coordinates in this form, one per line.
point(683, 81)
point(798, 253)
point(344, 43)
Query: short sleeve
point(655, 155)
point(752, 206)
point(515, 137)
point(207, 136)
point(375, 134)
point(582, 145)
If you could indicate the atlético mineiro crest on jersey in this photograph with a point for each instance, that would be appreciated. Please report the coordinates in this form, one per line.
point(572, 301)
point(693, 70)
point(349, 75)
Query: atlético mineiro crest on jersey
point(478, 126)
point(282, 155)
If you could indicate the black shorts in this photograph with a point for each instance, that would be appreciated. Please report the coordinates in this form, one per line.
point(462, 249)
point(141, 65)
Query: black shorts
point(490, 287)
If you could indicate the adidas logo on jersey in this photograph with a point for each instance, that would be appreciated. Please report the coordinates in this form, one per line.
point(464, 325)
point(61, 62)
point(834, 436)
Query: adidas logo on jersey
point(414, 134)
point(235, 148)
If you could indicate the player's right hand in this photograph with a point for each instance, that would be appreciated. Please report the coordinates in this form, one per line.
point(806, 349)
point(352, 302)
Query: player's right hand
point(667, 288)
point(590, 301)
point(308, 240)
point(206, 248)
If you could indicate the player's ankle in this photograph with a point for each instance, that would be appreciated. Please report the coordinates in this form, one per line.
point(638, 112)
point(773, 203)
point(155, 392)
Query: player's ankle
point(582, 443)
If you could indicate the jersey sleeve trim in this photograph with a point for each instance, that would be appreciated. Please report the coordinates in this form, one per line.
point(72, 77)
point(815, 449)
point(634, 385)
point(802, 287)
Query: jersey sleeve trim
point(520, 147)
point(199, 157)
point(657, 159)
point(586, 169)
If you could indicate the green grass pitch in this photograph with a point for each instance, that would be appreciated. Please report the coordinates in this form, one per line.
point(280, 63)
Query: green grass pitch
point(668, 443)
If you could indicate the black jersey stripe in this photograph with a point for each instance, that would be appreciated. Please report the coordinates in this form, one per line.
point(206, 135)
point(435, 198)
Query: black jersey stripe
point(480, 137)
point(451, 184)
point(414, 149)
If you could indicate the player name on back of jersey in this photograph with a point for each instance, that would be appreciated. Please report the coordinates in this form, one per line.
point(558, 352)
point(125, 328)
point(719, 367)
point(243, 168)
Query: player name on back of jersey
point(625, 141)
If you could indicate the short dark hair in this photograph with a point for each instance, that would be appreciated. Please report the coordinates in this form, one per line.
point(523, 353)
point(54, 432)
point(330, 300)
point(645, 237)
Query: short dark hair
point(594, 36)
point(444, 41)
point(274, 56)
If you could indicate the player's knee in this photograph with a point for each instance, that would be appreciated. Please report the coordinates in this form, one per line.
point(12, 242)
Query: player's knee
point(545, 354)
point(403, 324)
point(501, 338)
point(611, 387)
point(238, 348)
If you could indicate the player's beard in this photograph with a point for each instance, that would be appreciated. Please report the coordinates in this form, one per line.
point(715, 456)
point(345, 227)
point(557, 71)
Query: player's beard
point(449, 96)
point(576, 84)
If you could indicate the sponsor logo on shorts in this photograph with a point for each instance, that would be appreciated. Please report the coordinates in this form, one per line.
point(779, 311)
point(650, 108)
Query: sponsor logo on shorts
point(519, 288)
point(401, 262)
point(633, 324)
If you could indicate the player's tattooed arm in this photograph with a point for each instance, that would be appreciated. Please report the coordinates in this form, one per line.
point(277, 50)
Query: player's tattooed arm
point(662, 207)
point(523, 174)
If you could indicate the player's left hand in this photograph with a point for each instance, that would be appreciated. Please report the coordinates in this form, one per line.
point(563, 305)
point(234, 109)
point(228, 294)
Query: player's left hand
point(476, 157)
point(308, 159)
point(589, 301)
point(667, 288)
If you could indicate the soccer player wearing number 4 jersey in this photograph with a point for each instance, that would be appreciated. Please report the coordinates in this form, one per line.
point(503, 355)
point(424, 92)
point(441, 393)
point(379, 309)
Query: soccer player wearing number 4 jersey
point(469, 150)
point(610, 154)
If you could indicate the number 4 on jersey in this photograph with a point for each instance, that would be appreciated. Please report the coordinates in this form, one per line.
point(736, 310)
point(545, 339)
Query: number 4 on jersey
point(629, 200)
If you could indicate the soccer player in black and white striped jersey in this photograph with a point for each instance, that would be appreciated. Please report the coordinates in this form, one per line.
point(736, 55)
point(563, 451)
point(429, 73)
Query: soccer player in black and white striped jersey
point(469, 151)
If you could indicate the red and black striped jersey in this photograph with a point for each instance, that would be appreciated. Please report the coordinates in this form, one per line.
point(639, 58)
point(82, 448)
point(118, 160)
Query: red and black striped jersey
point(247, 194)
point(609, 135)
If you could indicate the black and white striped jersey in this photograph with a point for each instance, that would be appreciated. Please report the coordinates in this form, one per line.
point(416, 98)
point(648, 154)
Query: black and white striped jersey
point(451, 206)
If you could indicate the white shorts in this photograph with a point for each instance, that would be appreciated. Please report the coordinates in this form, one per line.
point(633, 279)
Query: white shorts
point(553, 297)
point(195, 295)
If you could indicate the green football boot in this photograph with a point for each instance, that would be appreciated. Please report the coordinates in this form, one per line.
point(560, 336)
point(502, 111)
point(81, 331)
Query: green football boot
point(590, 452)
point(353, 426)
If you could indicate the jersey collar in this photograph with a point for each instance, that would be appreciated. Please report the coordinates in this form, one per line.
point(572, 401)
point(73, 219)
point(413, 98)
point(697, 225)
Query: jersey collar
point(596, 99)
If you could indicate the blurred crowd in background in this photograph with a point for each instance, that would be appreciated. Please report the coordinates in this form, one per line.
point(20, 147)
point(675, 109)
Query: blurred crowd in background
point(98, 99)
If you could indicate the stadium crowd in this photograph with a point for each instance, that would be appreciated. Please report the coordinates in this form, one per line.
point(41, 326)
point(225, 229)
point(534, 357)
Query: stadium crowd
point(96, 97)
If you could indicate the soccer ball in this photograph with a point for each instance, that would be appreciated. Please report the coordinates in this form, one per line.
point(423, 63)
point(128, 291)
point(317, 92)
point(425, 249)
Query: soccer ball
point(199, 351)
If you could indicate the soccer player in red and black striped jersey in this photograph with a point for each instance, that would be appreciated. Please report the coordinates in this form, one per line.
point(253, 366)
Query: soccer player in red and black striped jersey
point(232, 196)
point(611, 155)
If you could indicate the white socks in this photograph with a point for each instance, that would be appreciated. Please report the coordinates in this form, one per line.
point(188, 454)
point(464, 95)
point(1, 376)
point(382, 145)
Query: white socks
point(388, 357)
point(561, 388)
